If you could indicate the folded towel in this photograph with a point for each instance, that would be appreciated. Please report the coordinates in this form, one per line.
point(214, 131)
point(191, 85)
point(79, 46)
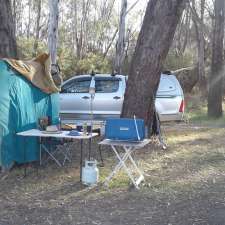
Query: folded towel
point(38, 72)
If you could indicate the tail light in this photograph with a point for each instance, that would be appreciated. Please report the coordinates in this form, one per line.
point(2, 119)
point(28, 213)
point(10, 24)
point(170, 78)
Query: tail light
point(181, 109)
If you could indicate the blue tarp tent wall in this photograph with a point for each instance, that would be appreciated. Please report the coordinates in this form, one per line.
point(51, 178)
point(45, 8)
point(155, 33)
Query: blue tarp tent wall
point(21, 104)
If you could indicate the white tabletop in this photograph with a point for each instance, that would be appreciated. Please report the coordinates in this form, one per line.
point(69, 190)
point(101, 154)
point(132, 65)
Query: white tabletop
point(63, 134)
point(135, 144)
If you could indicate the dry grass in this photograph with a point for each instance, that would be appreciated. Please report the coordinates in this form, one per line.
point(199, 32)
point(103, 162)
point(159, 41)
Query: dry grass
point(192, 166)
point(193, 156)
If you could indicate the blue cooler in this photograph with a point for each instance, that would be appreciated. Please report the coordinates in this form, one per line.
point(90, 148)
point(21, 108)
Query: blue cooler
point(125, 129)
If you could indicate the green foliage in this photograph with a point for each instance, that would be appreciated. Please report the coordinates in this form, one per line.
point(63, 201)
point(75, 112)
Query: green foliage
point(196, 112)
point(26, 46)
point(93, 62)
point(175, 61)
point(67, 60)
point(71, 66)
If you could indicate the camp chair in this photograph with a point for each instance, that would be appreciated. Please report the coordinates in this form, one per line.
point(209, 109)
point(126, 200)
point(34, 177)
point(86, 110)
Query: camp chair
point(53, 149)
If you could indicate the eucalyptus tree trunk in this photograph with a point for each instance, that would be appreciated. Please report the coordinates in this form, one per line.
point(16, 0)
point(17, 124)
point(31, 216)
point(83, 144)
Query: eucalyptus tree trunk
point(7, 31)
point(84, 25)
point(182, 33)
point(81, 36)
point(14, 13)
point(74, 27)
point(201, 52)
point(29, 19)
point(156, 35)
point(199, 29)
point(110, 44)
point(186, 30)
point(53, 29)
point(37, 27)
point(18, 10)
point(217, 72)
point(120, 47)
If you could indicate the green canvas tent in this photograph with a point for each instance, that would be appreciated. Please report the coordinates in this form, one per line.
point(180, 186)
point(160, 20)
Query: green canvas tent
point(21, 104)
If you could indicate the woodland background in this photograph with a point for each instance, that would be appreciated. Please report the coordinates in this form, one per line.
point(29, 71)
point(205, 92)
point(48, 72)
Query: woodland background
point(101, 36)
point(88, 33)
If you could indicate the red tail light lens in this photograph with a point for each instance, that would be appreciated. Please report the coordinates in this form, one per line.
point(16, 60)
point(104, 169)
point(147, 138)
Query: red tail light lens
point(181, 109)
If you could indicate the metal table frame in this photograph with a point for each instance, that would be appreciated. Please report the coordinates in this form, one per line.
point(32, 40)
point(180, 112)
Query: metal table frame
point(129, 148)
point(63, 134)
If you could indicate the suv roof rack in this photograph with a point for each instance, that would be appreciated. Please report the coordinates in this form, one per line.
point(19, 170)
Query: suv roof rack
point(92, 73)
point(114, 73)
point(168, 72)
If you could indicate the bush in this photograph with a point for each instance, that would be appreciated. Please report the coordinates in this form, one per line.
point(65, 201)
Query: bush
point(26, 46)
point(71, 66)
point(93, 62)
point(67, 60)
point(174, 61)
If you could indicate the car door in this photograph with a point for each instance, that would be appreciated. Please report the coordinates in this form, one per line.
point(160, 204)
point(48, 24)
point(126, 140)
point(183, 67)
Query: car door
point(109, 94)
point(75, 98)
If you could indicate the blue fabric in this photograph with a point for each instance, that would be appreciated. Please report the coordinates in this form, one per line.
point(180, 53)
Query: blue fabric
point(125, 129)
point(74, 133)
point(21, 104)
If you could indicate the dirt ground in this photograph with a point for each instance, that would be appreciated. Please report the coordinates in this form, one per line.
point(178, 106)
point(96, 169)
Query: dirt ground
point(185, 185)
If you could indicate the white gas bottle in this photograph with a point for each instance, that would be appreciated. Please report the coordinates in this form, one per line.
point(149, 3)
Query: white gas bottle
point(90, 173)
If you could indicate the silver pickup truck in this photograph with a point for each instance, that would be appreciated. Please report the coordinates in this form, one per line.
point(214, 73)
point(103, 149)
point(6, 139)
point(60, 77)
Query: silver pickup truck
point(76, 105)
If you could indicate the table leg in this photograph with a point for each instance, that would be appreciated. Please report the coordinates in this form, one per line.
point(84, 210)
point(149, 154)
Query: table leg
point(127, 153)
point(133, 162)
point(89, 149)
point(40, 148)
point(122, 160)
point(81, 158)
point(118, 166)
point(51, 155)
point(24, 157)
point(100, 153)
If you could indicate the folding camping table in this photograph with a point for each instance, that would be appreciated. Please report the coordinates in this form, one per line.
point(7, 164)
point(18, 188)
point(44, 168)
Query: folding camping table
point(62, 134)
point(129, 147)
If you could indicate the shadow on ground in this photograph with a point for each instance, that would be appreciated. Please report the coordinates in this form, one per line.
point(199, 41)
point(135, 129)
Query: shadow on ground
point(184, 186)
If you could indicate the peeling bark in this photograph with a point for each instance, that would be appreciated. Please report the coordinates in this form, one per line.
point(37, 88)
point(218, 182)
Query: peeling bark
point(7, 31)
point(53, 29)
point(217, 72)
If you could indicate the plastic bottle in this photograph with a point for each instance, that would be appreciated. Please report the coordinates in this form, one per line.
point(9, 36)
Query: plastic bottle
point(59, 124)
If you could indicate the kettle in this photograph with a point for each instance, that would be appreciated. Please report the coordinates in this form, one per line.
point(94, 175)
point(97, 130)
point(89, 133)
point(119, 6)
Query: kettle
point(90, 173)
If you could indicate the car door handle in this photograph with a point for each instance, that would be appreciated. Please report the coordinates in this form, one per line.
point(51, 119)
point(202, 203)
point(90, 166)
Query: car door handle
point(116, 97)
point(85, 97)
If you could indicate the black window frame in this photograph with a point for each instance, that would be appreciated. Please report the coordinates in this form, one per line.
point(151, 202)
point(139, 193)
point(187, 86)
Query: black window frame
point(107, 79)
point(74, 81)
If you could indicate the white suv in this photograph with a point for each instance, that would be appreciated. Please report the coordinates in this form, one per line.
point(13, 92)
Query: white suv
point(75, 99)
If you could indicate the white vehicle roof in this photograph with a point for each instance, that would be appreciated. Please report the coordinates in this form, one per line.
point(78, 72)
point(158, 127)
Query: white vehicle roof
point(96, 75)
point(169, 85)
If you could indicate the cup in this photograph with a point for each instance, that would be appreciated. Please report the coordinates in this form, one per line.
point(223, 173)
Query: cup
point(79, 127)
point(89, 128)
point(43, 122)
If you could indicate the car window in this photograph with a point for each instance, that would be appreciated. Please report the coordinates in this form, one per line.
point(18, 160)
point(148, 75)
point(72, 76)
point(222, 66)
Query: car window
point(166, 84)
point(77, 86)
point(106, 85)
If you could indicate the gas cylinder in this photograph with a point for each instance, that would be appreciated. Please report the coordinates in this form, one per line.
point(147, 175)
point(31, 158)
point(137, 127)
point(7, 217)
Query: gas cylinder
point(90, 173)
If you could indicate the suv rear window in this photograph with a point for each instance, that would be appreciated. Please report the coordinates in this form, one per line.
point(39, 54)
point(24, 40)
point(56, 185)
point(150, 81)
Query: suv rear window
point(106, 84)
point(166, 84)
